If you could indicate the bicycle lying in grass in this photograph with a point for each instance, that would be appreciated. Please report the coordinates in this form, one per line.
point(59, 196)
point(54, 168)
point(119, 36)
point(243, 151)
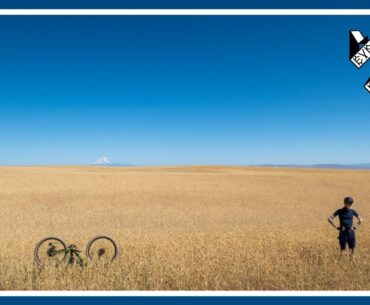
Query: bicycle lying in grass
point(54, 251)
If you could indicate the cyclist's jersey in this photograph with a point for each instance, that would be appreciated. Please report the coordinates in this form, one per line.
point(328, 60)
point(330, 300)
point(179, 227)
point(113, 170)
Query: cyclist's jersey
point(346, 217)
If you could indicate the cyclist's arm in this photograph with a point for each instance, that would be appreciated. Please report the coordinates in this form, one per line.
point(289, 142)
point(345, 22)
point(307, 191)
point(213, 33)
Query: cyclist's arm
point(331, 221)
point(360, 219)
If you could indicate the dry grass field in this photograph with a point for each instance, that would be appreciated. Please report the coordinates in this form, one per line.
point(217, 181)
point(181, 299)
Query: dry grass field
point(187, 228)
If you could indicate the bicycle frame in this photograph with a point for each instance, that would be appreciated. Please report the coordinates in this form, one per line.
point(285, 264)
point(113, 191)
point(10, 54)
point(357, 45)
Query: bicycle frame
point(71, 251)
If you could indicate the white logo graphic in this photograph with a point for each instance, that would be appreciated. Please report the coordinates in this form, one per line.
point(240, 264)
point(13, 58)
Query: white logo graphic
point(367, 85)
point(359, 51)
point(359, 48)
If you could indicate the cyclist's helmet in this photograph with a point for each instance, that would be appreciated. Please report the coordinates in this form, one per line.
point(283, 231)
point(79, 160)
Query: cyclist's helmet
point(348, 200)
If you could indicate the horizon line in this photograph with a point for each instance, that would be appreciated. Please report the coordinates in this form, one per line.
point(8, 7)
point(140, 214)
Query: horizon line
point(354, 166)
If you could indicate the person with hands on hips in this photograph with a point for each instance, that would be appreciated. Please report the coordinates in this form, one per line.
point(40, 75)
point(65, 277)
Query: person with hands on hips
point(347, 235)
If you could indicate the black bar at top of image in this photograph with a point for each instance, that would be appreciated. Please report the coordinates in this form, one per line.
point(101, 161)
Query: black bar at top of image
point(184, 4)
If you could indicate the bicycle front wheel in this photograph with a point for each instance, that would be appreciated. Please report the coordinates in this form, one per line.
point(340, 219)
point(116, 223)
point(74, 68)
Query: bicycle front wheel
point(50, 251)
point(102, 248)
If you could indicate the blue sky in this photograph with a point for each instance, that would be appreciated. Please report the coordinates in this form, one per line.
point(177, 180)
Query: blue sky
point(181, 90)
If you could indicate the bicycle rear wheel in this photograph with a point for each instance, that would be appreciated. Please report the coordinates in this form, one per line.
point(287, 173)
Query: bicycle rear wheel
point(102, 248)
point(50, 251)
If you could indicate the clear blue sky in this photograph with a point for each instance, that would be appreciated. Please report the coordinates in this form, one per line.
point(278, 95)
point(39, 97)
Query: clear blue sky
point(182, 90)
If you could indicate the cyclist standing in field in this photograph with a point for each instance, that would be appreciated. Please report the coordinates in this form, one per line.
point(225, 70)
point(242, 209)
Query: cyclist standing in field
point(346, 229)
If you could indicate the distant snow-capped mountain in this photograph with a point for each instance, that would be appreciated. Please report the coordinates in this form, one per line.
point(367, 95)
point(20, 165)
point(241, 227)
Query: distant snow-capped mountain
point(103, 161)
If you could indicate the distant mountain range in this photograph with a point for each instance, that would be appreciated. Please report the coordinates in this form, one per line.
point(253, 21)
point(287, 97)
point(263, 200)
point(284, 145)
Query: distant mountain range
point(329, 165)
point(104, 161)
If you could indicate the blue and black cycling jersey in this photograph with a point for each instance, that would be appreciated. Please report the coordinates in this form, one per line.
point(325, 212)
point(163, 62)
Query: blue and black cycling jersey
point(346, 217)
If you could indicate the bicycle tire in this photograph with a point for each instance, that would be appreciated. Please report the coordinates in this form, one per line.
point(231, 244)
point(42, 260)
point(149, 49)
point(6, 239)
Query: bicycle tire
point(91, 242)
point(38, 245)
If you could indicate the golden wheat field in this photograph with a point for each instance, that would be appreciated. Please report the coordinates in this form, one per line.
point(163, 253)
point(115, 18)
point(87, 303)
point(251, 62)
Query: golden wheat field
point(184, 228)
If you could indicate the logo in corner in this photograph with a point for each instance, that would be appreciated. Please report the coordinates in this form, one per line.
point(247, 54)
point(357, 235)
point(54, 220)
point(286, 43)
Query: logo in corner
point(359, 52)
point(367, 85)
point(359, 48)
